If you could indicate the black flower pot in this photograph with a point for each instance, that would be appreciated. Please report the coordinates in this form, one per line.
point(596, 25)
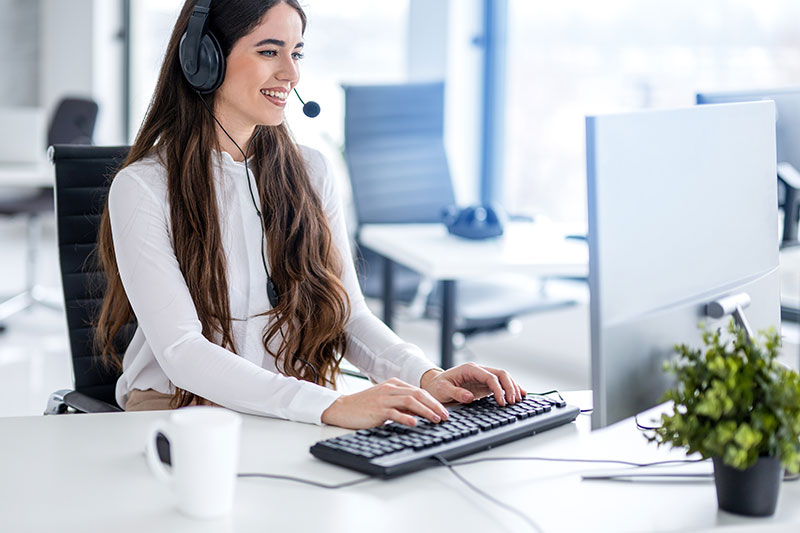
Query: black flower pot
point(752, 492)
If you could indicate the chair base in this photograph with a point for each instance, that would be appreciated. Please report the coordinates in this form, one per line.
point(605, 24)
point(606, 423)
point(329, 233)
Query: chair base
point(36, 295)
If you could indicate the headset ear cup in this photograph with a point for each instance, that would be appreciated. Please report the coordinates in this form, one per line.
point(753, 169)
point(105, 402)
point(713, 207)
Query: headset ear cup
point(210, 65)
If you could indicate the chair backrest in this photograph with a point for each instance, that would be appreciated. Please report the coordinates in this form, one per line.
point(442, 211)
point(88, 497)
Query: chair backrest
point(73, 122)
point(394, 148)
point(83, 175)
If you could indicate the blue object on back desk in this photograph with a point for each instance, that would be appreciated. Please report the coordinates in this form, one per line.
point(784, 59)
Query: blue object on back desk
point(474, 222)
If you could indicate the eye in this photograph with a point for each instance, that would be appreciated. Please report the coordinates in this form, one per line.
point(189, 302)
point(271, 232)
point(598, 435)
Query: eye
point(268, 53)
point(298, 55)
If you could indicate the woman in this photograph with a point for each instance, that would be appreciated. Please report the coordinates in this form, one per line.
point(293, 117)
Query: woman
point(238, 269)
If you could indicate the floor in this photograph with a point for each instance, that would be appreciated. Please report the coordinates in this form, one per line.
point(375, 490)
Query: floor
point(550, 351)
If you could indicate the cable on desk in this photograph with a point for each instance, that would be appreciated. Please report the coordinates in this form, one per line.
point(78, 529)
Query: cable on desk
point(569, 460)
point(555, 391)
point(710, 475)
point(624, 477)
point(307, 481)
point(643, 427)
point(488, 496)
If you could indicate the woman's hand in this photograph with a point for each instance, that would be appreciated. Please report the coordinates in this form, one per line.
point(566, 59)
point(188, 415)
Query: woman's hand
point(391, 400)
point(468, 382)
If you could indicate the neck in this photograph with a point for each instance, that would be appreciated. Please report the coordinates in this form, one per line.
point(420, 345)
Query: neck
point(241, 135)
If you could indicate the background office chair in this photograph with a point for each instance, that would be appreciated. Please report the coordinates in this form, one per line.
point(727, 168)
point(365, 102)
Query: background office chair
point(72, 123)
point(83, 175)
point(395, 154)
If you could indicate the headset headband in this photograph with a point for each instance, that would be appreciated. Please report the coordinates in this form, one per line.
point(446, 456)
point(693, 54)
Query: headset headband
point(198, 24)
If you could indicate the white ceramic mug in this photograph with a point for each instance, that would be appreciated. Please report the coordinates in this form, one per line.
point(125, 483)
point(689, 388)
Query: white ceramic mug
point(204, 455)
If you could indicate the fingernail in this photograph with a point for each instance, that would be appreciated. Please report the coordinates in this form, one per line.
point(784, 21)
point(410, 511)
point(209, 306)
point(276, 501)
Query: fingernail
point(437, 418)
point(466, 397)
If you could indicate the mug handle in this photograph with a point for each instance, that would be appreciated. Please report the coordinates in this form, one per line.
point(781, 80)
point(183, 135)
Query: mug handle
point(157, 430)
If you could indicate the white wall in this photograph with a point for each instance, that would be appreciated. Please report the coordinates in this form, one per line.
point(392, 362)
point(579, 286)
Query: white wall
point(65, 62)
point(81, 56)
point(19, 53)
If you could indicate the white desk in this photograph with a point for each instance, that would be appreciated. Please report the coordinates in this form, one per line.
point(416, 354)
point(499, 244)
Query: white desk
point(536, 249)
point(33, 175)
point(86, 473)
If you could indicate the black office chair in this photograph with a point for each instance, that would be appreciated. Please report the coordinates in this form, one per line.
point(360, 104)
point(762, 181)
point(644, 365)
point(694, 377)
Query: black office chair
point(83, 175)
point(395, 154)
point(72, 123)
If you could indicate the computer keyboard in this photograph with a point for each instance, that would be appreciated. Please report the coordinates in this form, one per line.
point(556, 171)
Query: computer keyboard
point(394, 449)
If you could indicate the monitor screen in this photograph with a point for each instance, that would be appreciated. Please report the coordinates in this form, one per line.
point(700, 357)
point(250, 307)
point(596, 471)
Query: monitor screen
point(682, 211)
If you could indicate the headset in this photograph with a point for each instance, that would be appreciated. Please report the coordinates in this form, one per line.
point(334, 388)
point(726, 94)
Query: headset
point(200, 54)
point(203, 66)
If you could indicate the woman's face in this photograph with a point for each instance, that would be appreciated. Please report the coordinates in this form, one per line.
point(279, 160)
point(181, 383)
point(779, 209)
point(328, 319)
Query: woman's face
point(262, 69)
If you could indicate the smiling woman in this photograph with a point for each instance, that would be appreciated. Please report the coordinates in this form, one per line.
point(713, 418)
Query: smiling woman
point(226, 242)
point(263, 68)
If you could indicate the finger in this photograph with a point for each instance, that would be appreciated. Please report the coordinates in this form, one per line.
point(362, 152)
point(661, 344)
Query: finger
point(451, 391)
point(432, 403)
point(401, 418)
point(423, 396)
point(482, 375)
point(412, 405)
point(506, 382)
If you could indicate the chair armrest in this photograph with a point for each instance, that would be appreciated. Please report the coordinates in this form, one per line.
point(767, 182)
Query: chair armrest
point(69, 401)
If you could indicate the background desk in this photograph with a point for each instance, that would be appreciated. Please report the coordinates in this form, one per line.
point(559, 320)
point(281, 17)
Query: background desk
point(535, 249)
point(87, 473)
point(29, 175)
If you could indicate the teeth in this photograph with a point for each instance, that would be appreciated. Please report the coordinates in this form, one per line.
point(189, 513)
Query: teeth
point(275, 94)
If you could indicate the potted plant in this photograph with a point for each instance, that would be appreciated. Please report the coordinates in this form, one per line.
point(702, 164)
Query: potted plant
point(736, 404)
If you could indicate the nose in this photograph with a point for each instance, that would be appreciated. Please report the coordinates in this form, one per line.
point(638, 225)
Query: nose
point(288, 70)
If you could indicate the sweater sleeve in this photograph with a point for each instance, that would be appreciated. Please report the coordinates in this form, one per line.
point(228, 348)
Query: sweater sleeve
point(374, 348)
point(164, 309)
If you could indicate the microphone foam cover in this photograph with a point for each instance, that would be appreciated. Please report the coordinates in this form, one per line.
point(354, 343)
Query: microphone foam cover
point(311, 109)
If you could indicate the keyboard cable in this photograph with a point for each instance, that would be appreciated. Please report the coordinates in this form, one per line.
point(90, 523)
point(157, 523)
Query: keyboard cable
point(488, 496)
point(306, 481)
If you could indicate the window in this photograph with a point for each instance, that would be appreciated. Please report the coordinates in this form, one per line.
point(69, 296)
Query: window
point(569, 60)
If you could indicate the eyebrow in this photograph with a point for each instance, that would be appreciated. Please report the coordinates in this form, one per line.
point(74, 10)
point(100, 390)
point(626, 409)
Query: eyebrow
point(276, 42)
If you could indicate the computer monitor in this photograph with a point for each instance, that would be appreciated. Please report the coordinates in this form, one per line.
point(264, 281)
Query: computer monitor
point(787, 116)
point(682, 212)
point(787, 124)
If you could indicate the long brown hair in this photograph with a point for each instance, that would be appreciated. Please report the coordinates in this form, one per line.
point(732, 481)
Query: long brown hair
point(310, 319)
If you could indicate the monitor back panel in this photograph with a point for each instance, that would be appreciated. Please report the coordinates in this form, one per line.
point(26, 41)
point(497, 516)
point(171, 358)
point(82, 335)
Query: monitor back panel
point(787, 116)
point(682, 210)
